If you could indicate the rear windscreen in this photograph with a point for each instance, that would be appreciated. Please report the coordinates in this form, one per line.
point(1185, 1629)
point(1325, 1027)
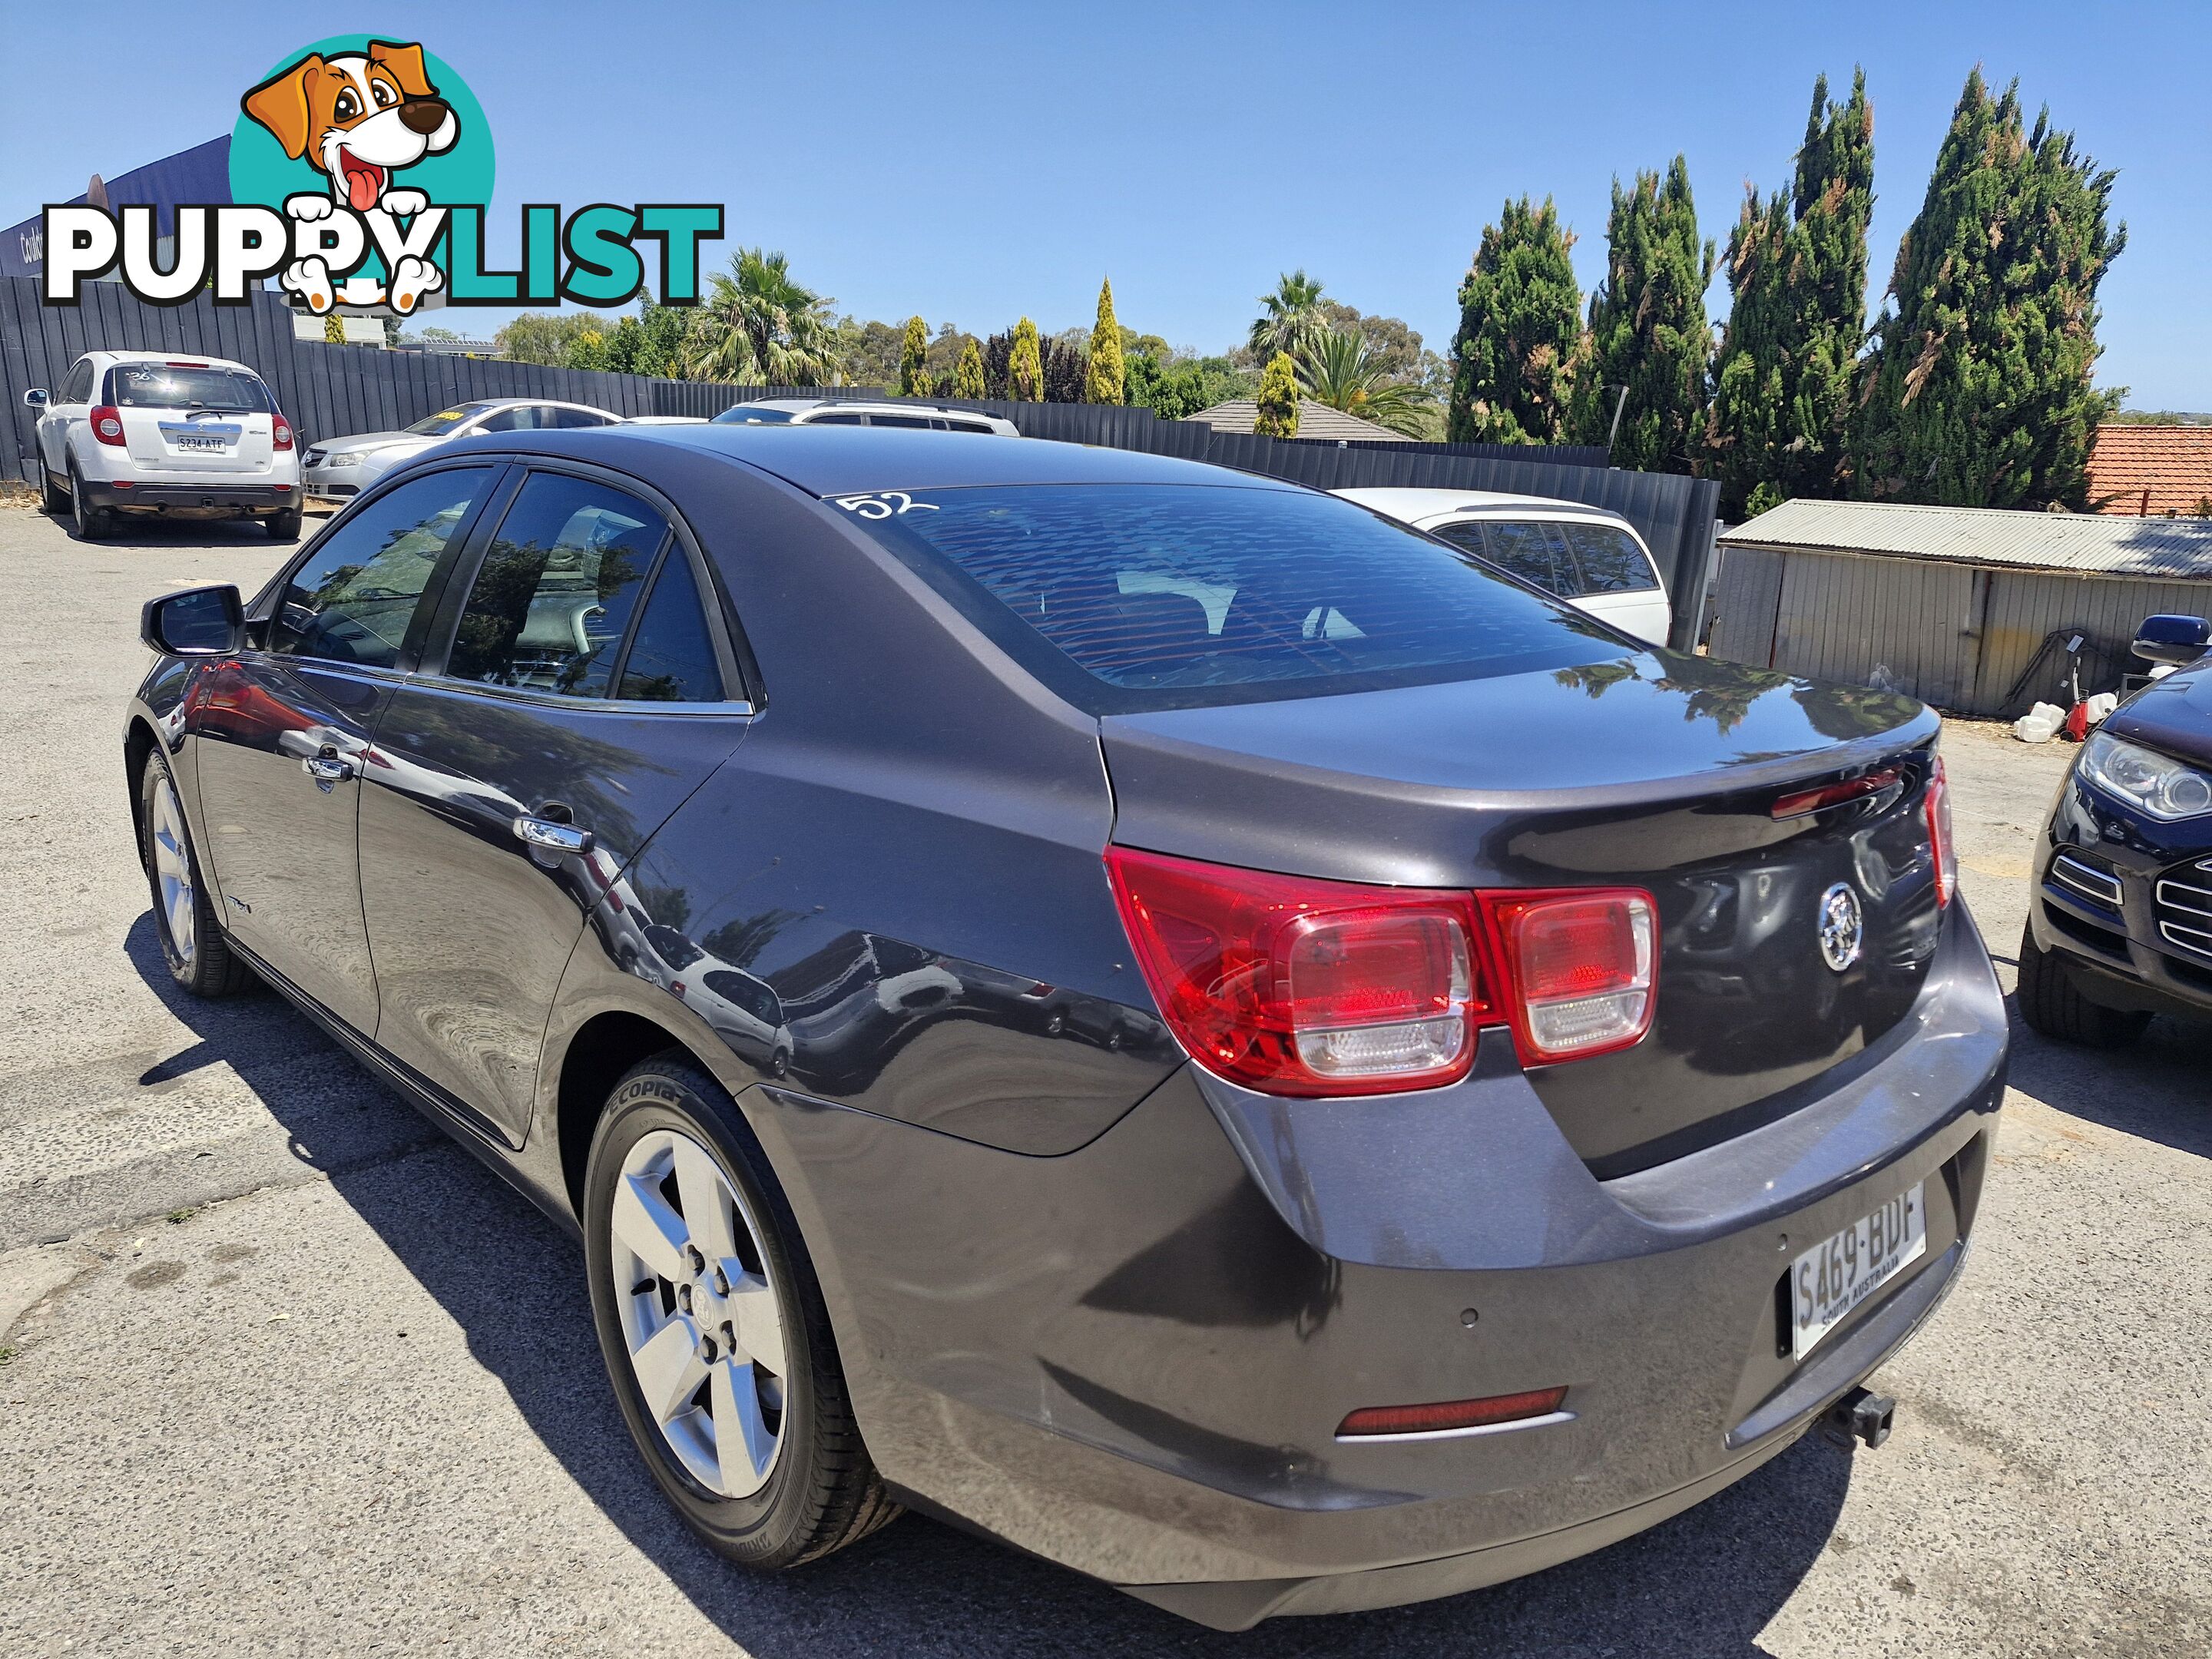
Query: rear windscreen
point(1165, 595)
point(160, 386)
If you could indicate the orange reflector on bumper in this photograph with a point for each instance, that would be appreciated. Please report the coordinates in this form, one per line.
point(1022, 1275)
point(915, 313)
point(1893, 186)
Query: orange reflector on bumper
point(1453, 1416)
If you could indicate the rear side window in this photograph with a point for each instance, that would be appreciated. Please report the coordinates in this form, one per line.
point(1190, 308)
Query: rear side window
point(161, 386)
point(839, 419)
point(78, 387)
point(672, 658)
point(1168, 595)
point(354, 598)
point(921, 421)
point(572, 418)
point(1609, 558)
point(554, 594)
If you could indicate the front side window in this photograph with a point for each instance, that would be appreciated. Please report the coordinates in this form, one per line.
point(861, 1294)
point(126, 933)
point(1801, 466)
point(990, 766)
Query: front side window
point(1166, 595)
point(161, 386)
point(554, 596)
point(1609, 559)
point(353, 599)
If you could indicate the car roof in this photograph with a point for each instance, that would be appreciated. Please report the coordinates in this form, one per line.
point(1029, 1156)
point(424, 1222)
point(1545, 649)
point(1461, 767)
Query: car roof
point(863, 405)
point(1409, 504)
point(853, 460)
point(175, 359)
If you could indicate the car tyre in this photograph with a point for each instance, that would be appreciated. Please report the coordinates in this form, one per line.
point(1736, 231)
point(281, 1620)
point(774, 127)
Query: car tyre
point(193, 944)
point(89, 522)
point(53, 499)
point(284, 526)
point(767, 1467)
point(2053, 1006)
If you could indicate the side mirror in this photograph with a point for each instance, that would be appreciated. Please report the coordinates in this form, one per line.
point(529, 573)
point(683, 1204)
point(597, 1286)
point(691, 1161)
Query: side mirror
point(2178, 641)
point(35, 397)
point(200, 621)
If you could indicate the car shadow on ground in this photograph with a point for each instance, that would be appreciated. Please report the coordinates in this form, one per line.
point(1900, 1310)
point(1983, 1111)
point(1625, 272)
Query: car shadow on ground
point(1701, 1586)
point(2157, 1089)
point(136, 533)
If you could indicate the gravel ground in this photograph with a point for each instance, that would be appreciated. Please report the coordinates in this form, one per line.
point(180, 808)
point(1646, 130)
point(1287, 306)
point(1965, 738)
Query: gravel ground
point(285, 1371)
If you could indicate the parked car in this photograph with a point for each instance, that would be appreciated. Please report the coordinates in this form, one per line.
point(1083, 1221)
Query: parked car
point(1265, 1061)
point(849, 411)
point(341, 467)
point(2121, 928)
point(1585, 554)
point(149, 435)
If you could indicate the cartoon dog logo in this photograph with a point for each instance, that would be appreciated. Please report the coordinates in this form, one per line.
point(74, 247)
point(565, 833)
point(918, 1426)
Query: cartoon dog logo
point(360, 117)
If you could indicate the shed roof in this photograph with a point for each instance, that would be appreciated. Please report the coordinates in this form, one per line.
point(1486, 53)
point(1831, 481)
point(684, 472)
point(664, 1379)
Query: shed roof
point(2088, 543)
point(2143, 470)
point(1315, 421)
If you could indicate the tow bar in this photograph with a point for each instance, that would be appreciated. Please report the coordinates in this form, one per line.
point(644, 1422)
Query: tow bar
point(1860, 1416)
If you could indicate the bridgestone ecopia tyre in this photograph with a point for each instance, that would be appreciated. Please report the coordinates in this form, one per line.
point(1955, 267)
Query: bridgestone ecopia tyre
point(2052, 1005)
point(712, 1326)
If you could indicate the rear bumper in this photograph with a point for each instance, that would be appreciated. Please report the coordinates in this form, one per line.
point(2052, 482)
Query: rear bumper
point(1131, 1358)
point(253, 497)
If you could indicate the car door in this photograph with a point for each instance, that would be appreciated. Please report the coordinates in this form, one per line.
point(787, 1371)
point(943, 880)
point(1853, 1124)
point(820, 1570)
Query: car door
point(1617, 580)
point(71, 403)
point(583, 686)
point(280, 733)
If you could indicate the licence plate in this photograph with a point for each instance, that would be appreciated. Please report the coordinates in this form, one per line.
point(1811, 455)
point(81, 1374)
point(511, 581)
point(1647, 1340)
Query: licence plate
point(1837, 1276)
point(216, 439)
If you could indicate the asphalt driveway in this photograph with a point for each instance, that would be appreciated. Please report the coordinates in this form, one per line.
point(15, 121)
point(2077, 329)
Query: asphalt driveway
point(284, 1370)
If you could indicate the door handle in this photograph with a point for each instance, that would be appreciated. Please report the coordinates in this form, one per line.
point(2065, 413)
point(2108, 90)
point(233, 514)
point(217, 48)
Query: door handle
point(553, 837)
point(328, 769)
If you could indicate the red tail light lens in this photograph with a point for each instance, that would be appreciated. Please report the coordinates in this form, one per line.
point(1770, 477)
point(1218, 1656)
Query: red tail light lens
point(1581, 967)
point(1298, 986)
point(281, 433)
point(1450, 1416)
point(1937, 807)
point(108, 424)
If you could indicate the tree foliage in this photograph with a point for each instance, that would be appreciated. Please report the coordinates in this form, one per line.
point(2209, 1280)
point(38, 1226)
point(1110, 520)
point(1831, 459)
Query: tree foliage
point(1519, 331)
point(1290, 315)
point(1104, 378)
point(1025, 366)
point(1172, 384)
point(1278, 415)
point(1977, 392)
point(1797, 269)
point(968, 375)
point(914, 353)
point(545, 337)
point(1343, 372)
point(759, 323)
point(1648, 327)
point(1066, 369)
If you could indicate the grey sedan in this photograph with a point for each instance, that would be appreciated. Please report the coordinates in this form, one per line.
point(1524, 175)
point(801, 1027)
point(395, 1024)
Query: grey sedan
point(345, 466)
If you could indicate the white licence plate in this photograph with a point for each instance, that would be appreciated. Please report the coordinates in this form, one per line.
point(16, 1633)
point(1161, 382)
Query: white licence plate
point(200, 443)
point(1837, 1276)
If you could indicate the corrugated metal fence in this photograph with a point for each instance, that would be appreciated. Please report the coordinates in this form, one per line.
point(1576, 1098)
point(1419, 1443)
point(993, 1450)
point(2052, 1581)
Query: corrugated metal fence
point(329, 390)
point(1957, 635)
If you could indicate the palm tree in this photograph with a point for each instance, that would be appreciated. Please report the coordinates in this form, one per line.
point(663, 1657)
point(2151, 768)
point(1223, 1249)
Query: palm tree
point(1291, 319)
point(1340, 369)
point(759, 322)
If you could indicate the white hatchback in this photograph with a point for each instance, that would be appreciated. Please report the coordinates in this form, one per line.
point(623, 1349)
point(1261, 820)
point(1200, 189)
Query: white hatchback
point(1592, 558)
point(150, 434)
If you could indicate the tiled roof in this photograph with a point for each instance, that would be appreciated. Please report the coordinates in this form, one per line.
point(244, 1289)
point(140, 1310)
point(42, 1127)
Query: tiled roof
point(2149, 471)
point(2091, 544)
point(1315, 421)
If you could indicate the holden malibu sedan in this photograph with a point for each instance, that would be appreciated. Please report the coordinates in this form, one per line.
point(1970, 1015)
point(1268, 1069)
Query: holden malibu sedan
point(1256, 1055)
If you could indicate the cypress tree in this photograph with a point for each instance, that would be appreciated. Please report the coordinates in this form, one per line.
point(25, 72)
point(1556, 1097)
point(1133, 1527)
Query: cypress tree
point(967, 373)
point(1278, 399)
point(914, 377)
point(1977, 393)
point(1796, 269)
point(1648, 328)
point(1104, 382)
point(1520, 323)
point(1025, 366)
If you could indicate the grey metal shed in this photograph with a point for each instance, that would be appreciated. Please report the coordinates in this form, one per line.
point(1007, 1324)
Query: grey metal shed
point(1952, 604)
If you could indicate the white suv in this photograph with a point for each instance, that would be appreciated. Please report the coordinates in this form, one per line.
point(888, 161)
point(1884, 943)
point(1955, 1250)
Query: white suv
point(1589, 557)
point(148, 432)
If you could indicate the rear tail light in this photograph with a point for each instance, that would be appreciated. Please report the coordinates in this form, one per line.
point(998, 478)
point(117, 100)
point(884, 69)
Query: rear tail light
point(281, 433)
point(1802, 801)
point(108, 424)
point(1296, 986)
point(1581, 967)
point(1943, 851)
point(1454, 1416)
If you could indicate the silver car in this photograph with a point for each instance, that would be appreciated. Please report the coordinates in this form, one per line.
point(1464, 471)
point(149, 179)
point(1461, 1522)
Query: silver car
point(345, 466)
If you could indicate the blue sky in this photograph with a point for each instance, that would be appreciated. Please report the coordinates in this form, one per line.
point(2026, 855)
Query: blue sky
point(974, 162)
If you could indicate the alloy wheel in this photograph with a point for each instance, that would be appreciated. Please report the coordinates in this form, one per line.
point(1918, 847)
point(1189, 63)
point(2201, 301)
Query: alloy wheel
point(172, 874)
point(700, 1315)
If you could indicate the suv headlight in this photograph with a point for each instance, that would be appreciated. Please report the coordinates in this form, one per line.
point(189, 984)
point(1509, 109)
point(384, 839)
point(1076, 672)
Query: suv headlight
point(2162, 787)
